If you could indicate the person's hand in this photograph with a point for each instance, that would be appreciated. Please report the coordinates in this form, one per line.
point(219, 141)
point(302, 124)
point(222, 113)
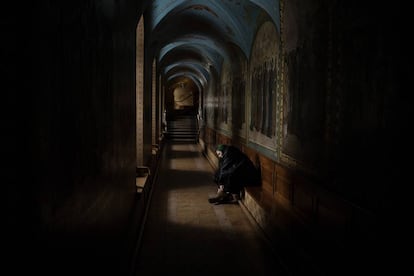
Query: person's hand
point(220, 188)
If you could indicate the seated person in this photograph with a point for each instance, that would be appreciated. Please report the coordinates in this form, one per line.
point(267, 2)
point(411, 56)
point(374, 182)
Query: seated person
point(234, 172)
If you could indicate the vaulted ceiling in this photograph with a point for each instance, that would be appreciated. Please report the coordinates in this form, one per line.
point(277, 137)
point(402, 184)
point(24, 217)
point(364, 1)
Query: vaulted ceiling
point(191, 39)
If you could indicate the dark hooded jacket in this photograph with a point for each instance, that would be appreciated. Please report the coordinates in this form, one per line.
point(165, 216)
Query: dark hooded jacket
point(236, 170)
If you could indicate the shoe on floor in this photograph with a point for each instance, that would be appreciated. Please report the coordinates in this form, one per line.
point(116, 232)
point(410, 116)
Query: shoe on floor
point(226, 199)
point(213, 199)
point(219, 197)
point(236, 197)
point(218, 200)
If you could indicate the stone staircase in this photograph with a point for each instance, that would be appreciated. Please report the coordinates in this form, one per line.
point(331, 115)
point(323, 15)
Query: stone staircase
point(183, 128)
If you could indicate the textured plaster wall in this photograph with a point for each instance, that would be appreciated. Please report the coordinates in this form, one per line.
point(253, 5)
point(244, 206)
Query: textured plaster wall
point(341, 95)
point(305, 30)
point(266, 49)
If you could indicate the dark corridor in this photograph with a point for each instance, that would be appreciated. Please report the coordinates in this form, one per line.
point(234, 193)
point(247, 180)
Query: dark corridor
point(314, 92)
point(186, 235)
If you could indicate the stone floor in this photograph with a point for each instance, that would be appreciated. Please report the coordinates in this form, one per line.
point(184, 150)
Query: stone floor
point(186, 235)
